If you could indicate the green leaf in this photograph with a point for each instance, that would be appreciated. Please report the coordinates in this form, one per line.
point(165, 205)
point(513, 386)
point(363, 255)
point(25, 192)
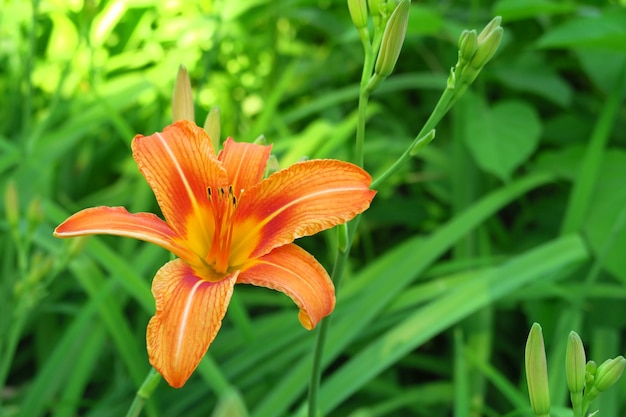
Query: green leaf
point(502, 137)
point(530, 73)
point(524, 9)
point(595, 31)
point(438, 315)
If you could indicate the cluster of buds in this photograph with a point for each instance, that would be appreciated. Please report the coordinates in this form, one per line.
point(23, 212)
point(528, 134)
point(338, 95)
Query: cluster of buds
point(475, 50)
point(585, 380)
point(390, 23)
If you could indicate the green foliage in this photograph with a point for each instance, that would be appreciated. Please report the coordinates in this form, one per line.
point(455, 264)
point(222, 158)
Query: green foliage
point(514, 214)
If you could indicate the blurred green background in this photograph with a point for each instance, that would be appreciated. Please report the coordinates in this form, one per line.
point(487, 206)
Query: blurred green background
point(515, 213)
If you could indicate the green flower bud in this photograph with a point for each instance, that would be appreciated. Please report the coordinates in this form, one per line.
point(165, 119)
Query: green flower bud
point(422, 142)
point(374, 6)
point(272, 166)
point(393, 37)
point(487, 48)
point(358, 13)
point(34, 214)
point(468, 44)
point(212, 126)
point(182, 100)
point(575, 363)
point(230, 404)
point(609, 372)
point(537, 373)
point(11, 204)
point(590, 372)
point(491, 26)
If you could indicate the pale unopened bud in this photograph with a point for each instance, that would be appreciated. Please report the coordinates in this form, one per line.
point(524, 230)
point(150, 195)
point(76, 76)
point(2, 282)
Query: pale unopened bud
point(260, 140)
point(609, 372)
point(358, 13)
point(182, 100)
point(230, 404)
point(34, 214)
point(422, 142)
point(491, 26)
point(213, 127)
point(11, 204)
point(374, 6)
point(487, 47)
point(537, 372)
point(468, 44)
point(393, 38)
point(272, 166)
point(590, 372)
point(575, 363)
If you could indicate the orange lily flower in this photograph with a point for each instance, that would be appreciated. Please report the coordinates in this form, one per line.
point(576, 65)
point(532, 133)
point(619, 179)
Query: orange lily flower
point(228, 226)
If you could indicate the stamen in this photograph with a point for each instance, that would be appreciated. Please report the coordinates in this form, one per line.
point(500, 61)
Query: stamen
point(223, 209)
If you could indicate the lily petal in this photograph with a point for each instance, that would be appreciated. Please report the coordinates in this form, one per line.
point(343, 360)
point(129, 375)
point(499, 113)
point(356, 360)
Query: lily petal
point(295, 272)
point(179, 164)
point(244, 162)
point(119, 222)
point(302, 200)
point(189, 313)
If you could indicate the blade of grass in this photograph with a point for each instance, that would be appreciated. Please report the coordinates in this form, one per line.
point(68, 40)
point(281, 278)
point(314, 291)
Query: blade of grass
point(580, 197)
point(84, 364)
point(449, 309)
point(62, 359)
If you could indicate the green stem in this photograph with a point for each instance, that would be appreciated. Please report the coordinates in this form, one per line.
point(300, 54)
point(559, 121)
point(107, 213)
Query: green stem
point(447, 99)
point(144, 392)
point(344, 252)
point(368, 67)
point(316, 373)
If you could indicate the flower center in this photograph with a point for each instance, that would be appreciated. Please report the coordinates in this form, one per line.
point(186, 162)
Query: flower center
point(223, 205)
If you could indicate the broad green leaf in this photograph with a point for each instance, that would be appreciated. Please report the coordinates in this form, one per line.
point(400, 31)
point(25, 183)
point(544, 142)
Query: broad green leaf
point(531, 73)
point(511, 10)
point(606, 31)
point(502, 137)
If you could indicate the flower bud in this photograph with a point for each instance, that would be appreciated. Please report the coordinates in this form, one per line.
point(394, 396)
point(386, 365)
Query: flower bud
point(487, 47)
point(272, 166)
point(609, 372)
point(230, 404)
point(422, 142)
point(358, 13)
point(212, 126)
point(34, 214)
point(468, 44)
point(182, 100)
point(491, 26)
point(393, 37)
point(11, 204)
point(575, 363)
point(537, 372)
point(374, 6)
point(590, 373)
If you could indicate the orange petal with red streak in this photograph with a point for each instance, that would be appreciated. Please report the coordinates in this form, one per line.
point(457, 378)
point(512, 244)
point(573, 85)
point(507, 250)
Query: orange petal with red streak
point(119, 222)
point(295, 272)
point(302, 200)
point(189, 313)
point(244, 162)
point(180, 164)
